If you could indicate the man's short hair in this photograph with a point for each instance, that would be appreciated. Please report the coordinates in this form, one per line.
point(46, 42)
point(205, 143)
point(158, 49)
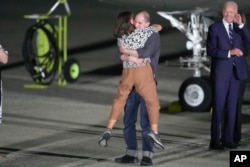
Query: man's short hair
point(145, 14)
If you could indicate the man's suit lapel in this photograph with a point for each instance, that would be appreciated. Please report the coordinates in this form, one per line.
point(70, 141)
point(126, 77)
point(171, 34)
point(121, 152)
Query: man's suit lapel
point(223, 31)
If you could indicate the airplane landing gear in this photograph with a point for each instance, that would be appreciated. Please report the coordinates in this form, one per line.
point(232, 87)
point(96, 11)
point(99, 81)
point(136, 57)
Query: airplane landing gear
point(195, 94)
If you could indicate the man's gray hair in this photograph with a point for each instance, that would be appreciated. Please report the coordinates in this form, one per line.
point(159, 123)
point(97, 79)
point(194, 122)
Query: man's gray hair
point(230, 3)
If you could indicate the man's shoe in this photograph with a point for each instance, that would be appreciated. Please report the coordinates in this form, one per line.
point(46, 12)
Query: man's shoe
point(127, 159)
point(155, 138)
point(146, 161)
point(230, 145)
point(103, 141)
point(216, 147)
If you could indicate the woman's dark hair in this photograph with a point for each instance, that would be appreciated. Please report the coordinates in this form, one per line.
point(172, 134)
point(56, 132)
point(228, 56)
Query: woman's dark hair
point(243, 17)
point(123, 25)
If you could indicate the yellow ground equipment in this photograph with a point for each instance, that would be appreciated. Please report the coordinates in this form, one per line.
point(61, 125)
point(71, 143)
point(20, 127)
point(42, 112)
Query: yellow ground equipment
point(45, 48)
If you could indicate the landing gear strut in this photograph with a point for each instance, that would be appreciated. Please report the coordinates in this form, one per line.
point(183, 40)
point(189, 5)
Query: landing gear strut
point(195, 92)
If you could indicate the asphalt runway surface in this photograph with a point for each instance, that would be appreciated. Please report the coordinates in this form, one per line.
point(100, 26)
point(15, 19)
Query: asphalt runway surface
point(60, 126)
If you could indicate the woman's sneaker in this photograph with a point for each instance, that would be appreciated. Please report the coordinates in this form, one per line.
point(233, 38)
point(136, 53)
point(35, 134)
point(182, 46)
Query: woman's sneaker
point(155, 138)
point(103, 141)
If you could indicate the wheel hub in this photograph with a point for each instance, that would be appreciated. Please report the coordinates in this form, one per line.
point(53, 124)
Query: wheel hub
point(194, 95)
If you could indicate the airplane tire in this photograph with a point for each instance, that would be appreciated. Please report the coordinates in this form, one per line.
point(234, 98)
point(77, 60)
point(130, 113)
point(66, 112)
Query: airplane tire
point(195, 94)
point(71, 70)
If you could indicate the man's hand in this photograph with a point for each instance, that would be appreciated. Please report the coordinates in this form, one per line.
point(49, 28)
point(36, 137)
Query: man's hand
point(131, 59)
point(136, 60)
point(238, 19)
point(128, 52)
point(122, 49)
point(236, 52)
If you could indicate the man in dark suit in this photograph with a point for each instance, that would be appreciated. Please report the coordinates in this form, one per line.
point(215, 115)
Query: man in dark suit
point(227, 51)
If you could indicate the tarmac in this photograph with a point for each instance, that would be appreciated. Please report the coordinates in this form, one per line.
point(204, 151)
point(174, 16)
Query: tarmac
point(60, 126)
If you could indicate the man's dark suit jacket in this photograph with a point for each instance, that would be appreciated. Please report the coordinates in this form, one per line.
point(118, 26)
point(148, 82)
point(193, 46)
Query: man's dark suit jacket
point(226, 73)
point(218, 45)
